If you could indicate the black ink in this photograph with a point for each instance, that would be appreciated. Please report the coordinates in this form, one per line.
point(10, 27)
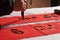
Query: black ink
point(49, 26)
point(0, 26)
point(46, 16)
point(27, 18)
point(17, 31)
point(54, 15)
point(24, 18)
point(33, 17)
point(40, 29)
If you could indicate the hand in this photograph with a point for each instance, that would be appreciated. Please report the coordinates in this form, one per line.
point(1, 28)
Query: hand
point(20, 5)
point(24, 4)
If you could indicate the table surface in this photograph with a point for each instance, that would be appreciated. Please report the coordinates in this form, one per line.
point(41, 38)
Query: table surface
point(38, 11)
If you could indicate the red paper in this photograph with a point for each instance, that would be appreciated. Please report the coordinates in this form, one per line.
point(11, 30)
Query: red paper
point(29, 18)
point(29, 31)
point(8, 20)
point(37, 18)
